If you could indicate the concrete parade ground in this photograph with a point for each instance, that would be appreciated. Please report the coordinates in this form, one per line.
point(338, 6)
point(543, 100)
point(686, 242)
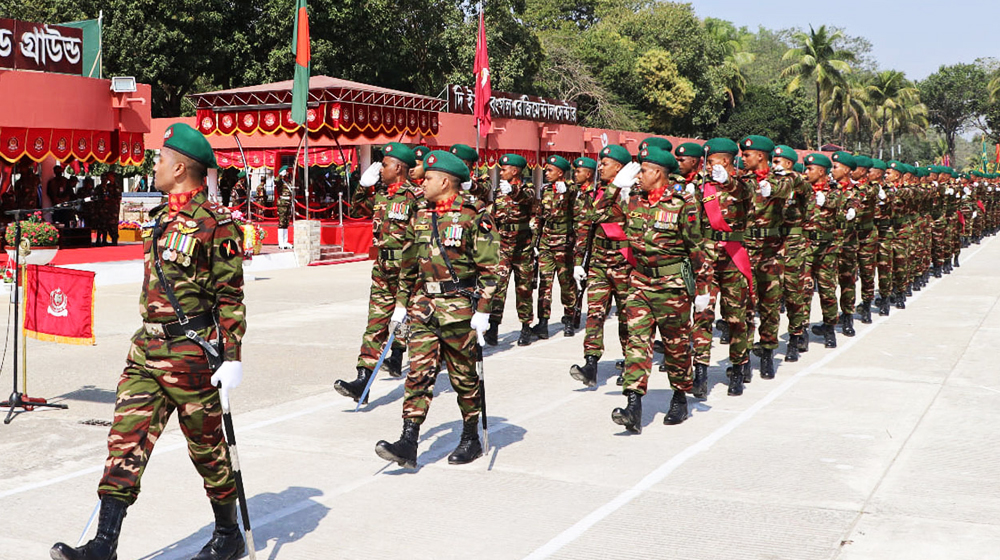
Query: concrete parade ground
point(884, 448)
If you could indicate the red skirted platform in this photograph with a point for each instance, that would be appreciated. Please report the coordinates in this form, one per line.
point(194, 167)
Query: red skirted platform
point(356, 237)
point(122, 252)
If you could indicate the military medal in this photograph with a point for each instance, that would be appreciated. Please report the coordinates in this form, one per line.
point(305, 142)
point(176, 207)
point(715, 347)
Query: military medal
point(168, 255)
point(187, 260)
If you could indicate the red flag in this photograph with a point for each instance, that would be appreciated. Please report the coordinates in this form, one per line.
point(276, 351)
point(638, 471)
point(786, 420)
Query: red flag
point(59, 304)
point(483, 91)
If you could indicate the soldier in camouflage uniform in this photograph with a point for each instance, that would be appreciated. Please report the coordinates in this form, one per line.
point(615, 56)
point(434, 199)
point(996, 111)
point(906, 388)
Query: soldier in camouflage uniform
point(844, 166)
point(821, 227)
point(449, 276)
point(514, 213)
point(796, 253)
point(601, 217)
point(883, 222)
point(386, 196)
point(555, 246)
point(900, 195)
point(664, 232)
point(283, 200)
point(867, 234)
point(197, 250)
point(477, 186)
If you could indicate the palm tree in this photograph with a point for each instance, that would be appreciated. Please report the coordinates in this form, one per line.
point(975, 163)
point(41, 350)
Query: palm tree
point(735, 45)
point(847, 105)
point(817, 59)
point(889, 93)
point(994, 87)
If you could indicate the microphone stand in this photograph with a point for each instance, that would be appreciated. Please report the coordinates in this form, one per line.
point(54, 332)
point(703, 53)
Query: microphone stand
point(18, 399)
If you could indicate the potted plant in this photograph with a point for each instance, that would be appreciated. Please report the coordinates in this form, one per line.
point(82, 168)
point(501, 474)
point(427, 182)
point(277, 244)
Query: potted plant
point(129, 231)
point(253, 234)
point(40, 237)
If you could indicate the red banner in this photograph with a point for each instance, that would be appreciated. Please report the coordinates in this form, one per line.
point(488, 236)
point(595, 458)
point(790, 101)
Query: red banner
point(206, 121)
point(248, 122)
point(37, 146)
point(59, 304)
point(81, 144)
point(101, 147)
point(270, 121)
point(62, 144)
point(337, 116)
point(227, 123)
point(12, 143)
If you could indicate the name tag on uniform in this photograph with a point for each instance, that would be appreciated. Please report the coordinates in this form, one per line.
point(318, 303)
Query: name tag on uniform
point(422, 227)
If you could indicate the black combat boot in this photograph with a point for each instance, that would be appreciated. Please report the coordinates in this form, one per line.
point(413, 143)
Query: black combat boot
point(393, 363)
point(956, 262)
point(937, 271)
point(658, 347)
point(792, 349)
point(226, 542)
point(916, 283)
point(900, 300)
point(909, 290)
point(492, 334)
point(620, 366)
point(469, 449)
point(866, 312)
point(541, 329)
point(586, 374)
point(804, 341)
point(353, 389)
point(736, 380)
point(700, 388)
point(883, 308)
point(724, 336)
point(404, 451)
point(631, 415)
point(847, 324)
point(947, 267)
point(526, 334)
point(104, 545)
point(568, 329)
point(927, 277)
point(766, 363)
point(829, 336)
point(678, 409)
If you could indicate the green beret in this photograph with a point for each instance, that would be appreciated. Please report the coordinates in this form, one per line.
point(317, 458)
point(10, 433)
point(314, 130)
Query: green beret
point(440, 160)
point(241, 174)
point(690, 149)
point(585, 162)
point(738, 162)
point(558, 161)
point(758, 143)
point(661, 143)
point(283, 170)
point(799, 168)
point(721, 146)
point(818, 159)
point(923, 172)
point(617, 153)
point(954, 174)
point(514, 159)
point(863, 161)
point(879, 164)
point(907, 168)
point(184, 139)
point(663, 158)
point(786, 152)
point(420, 152)
point(402, 152)
point(844, 158)
point(897, 165)
point(465, 152)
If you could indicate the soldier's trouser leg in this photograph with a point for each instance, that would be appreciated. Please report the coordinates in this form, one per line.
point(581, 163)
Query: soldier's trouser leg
point(546, 274)
point(734, 291)
point(567, 286)
point(767, 270)
point(146, 399)
point(937, 243)
point(823, 270)
point(885, 257)
point(456, 343)
point(523, 268)
point(900, 254)
point(503, 279)
point(381, 302)
point(847, 266)
point(704, 323)
point(598, 305)
point(619, 278)
point(793, 282)
point(649, 307)
point(867, 256)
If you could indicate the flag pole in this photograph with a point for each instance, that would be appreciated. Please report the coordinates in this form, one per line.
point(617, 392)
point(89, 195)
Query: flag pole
point(305, 159)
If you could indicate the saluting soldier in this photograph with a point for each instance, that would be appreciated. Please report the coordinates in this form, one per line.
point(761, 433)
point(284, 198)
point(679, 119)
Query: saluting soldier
point(417, 171)
point(390, 207)
point(822, 230)
point(885, 238)
point(193, 284)
point(450, 257)
point(867, 233)
point(555, 246)
point(283, 200)
point(514, 212)
point(796, 253)
point(843, 169)
point(477, 186)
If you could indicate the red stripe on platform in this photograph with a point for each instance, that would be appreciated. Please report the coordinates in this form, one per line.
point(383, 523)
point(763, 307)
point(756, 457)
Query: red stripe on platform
point(121, 252)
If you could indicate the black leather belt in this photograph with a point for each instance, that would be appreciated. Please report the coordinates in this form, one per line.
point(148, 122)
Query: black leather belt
point(176, 329)
point(390, 255)
point(716, 235)
point(448, 287)
point(762, 233)
point(786, 231)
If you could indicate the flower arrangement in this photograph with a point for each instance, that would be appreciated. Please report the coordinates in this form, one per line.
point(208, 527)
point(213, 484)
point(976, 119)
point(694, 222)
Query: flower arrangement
point(253, 235)
point(36, 230)
point(129, 224)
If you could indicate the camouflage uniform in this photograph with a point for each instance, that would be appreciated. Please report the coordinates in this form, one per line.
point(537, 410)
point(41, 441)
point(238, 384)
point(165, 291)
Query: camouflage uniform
point(283, 199)
point(515, 217)
point(824, 244)
point(867, 239)
point(439, 313)
point(202, 258)
point(901, 196)
point(847, 259)
point(390, 210)
point(883, 222)
point(796, 253)
point(555, 249)
point(663, 235)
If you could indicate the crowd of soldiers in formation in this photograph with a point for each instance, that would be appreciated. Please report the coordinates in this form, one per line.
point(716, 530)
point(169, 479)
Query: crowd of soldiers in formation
point(746, 226)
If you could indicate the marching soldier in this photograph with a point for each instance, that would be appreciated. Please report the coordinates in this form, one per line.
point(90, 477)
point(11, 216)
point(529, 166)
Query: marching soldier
point(867, 233)
point(478, 187)
point(821, 227)
point(194, 284)
point(608, 277)
point(844, 166)
point(283, 199)
point(450, 257)
point(417, 171)
point(390, 207)
point(900, 196)
point(555, 246)
point(514, 209)
point(883, 222)
point(796, 253)
point(664, 232)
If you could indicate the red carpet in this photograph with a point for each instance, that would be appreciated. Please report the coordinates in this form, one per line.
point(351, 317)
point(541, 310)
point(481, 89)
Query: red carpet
point(123, 252)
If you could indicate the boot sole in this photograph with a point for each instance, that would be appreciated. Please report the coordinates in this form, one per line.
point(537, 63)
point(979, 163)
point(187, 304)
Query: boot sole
point(387, 455)
point(619, 419)
point(732, 393)
point(453, 462)
point(668, 422)
point(344, 391)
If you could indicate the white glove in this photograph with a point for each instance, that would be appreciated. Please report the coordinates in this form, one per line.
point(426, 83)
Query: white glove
point(626, 177)
point(949, 190)
point(579, 274)
point(690, 188)
point(535, 251)
point(820, 198)
point(935, 183)
point(976, 184)
point(481, 323)
point(560, 187)
point(850, 214)
point(371, 175)
point(226, 378)
point(990, 189)
point(967, 191)
point(974, 214)
point(765, 189)
point(881, 193)
point(398, 316)
point(624, 193)
point(504, 187)
point(467, 186)
point(701, 302)
point(719, 174)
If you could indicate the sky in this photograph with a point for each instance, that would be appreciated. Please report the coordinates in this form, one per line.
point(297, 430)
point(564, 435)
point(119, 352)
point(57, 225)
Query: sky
point(916, 37)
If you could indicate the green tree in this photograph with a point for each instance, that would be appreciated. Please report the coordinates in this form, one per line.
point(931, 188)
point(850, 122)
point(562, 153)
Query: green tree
point(889, 92)
point(735, 46)
point(954, 95)
point(669, 94)
point(769, 110)
point(817, 60)
point(847, 106)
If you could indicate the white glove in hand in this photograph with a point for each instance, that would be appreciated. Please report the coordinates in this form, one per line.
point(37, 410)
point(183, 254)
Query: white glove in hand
point(579, 274)
point(690, 188)
point(820, 199)
point(949, 190)
point(623, 194)
point(850, 214)
point(371, 175)
point(967, 191)
point(701, 302)
point(226, 378)
point(881, 193)
point(719, 174)
point(560, 187)
point(535, 251)
point(504, 187)
point(765, 189)
point(626, 176)
point(398, 316)
point(974, 214)
point(481, 323)
point(466, 186)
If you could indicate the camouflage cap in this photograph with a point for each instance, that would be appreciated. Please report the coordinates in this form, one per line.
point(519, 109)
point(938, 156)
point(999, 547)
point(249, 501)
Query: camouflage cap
point(465, 152)
point(402, 152)
point(514, 159)
point(440, 160)
point(558, 161)
point(786, 152)
point(721, 146)
point(661, 143)
point(585, 162)
point(844, 158)
point(690, 149)
point(758, 143)
point(617, 153)
point(656, 156)
point(184, 139)
point(818, 159)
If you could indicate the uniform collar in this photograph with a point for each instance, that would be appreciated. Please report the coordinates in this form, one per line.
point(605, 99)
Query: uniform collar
point(185, 203)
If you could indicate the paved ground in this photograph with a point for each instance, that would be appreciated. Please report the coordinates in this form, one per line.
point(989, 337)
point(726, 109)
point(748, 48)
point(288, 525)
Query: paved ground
point(884, 448)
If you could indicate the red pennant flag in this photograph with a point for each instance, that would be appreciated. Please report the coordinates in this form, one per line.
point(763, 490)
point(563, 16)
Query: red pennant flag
point(59, 304)
point(483, 91)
